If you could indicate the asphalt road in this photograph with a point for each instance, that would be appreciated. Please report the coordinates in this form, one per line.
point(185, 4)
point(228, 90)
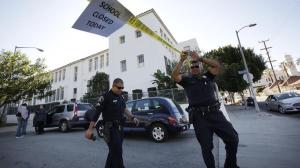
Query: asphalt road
point(267, 139)
point(60, 150)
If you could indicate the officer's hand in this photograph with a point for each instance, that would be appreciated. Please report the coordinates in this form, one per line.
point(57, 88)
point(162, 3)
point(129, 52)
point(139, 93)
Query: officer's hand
point(136, 121)
point(183, 56)
point(89, 134)
point(195, 56)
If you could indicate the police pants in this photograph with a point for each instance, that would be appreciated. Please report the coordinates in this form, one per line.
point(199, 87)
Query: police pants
point(215, 122)
point(114, 157)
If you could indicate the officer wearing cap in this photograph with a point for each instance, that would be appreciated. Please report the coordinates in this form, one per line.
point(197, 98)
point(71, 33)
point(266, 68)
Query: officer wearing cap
point(112, 106)
point(204, 108)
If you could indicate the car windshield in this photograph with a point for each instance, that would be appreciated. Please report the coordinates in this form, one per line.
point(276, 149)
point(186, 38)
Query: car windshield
point(288, 95)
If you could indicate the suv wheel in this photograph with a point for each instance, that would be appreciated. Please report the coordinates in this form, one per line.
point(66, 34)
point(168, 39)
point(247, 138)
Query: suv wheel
point(159, 132)
point(281, 110)
point(63, 126)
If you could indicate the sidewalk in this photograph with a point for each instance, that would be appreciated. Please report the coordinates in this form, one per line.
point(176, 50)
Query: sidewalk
point(12, 119)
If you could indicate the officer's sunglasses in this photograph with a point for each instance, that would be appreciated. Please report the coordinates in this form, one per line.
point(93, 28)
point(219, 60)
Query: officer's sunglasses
point(119, 87)
point(196, 66)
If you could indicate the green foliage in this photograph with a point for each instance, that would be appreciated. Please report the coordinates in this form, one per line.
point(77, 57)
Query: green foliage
point(163, 81)
point(20, 79)
point(298, 61)
point(231, 61)
point(98, 85)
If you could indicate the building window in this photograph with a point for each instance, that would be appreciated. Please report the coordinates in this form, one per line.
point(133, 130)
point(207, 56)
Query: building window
point(53, 95)
point(52, 77)
point(186, 48)
point(122, 39)
point(64, 74)
point(55, 79)
point(90, 65)
point(62, 93)
point(161, 32)
point(96, 63)
point(101, 61)
point(107, 60)
point(74, 91)
point(138, 33)
point(46, 99)
point(123, 66)
point(75, 73)
point(140, 60)
point(59, 76)
point(57, 94)
point(168, 65)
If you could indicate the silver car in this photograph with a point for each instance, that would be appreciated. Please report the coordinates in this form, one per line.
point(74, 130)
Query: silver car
point(284, 102)
point(67, 116)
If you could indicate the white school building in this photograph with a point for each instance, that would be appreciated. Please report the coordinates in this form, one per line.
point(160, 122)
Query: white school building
point(132, 56)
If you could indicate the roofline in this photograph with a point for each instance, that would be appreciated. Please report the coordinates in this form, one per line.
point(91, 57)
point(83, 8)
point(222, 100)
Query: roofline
point(74, 62)
point(159, 19)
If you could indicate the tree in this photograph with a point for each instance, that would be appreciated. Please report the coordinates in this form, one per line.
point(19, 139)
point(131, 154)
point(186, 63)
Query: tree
point(98, 85)
point(20, 79)
point(298, 61)
point(163, 81)
point(231, 61)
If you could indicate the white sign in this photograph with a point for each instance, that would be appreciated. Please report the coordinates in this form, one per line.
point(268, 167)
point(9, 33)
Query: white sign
point(103, 17)
point(246, 79)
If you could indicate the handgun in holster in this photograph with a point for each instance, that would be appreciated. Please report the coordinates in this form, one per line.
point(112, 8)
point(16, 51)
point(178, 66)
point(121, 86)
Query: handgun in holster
point(191, 115)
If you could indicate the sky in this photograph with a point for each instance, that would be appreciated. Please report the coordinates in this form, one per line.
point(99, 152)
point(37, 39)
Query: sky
point(48, 25)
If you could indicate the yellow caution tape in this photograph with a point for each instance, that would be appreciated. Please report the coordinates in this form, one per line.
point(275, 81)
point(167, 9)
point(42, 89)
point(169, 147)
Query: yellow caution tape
point(136, 23)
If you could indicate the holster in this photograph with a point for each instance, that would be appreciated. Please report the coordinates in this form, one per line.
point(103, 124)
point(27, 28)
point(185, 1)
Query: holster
point(201, 111)
point(108, 126)
point(106, 131)
point(191, 115)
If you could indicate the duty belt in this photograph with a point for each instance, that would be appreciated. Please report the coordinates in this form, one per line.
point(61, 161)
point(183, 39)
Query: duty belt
point(204, 109)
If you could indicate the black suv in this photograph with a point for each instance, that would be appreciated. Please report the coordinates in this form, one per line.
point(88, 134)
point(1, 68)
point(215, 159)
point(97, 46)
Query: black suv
point(158, 116)
point(250, 101)
point(67, 116)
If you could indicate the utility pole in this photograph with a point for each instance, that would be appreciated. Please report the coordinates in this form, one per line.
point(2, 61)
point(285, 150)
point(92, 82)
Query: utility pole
point(266, 48)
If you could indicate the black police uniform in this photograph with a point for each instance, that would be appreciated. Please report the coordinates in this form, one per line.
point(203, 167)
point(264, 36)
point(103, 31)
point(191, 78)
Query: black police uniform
point(112, 107)
point(208, 119)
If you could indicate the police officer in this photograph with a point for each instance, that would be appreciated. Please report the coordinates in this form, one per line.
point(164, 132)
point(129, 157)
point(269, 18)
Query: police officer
point(204, 108)
point(112, 106)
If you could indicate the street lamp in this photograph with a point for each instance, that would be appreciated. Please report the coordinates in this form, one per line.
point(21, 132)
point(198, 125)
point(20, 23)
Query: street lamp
point(40, 50)
point(246, 67)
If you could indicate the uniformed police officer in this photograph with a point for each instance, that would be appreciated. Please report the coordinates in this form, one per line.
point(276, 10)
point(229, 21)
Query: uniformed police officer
point(204, 108)
point(112, 106)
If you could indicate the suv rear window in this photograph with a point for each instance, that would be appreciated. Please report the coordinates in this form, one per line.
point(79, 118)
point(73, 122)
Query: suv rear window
point(84, 107)
point(70, 107)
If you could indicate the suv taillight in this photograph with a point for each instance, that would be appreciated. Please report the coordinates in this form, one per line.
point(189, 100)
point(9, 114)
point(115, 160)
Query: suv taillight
point(76, 110)
point(172, 121)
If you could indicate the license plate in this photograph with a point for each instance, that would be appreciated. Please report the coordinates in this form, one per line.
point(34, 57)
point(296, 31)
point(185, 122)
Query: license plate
point(81, 118)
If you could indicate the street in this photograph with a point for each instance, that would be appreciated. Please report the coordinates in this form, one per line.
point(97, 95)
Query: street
point(267, 139)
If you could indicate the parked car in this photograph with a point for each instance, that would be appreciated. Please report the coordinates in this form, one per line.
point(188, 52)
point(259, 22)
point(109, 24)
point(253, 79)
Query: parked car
point(284, 102)
point(158, 116)
point(250, 101)
point(68, 116)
